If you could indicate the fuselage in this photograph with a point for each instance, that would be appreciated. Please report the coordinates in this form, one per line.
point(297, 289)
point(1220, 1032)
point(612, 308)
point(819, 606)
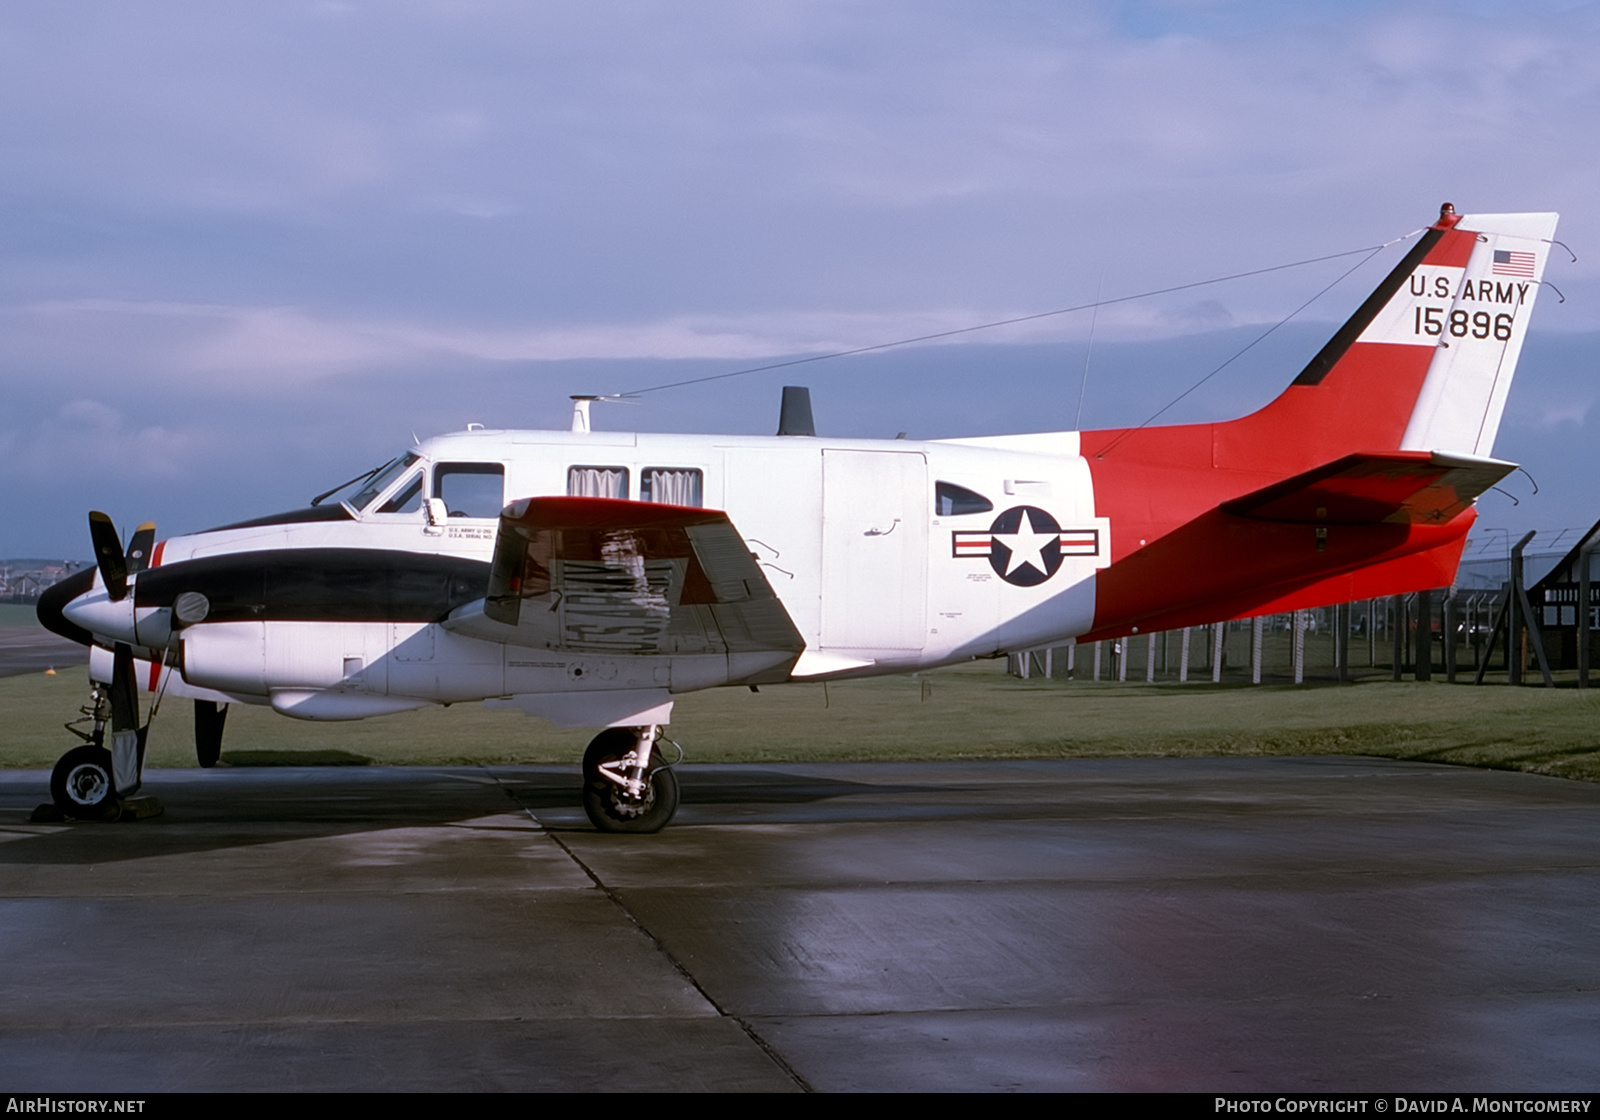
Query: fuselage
point(882, 552)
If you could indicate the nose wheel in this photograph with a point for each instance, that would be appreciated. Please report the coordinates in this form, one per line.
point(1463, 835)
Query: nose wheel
point(82, 784)
point(628, 786)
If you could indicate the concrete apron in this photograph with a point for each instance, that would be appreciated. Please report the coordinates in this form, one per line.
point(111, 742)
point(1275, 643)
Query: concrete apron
point(1177, 924)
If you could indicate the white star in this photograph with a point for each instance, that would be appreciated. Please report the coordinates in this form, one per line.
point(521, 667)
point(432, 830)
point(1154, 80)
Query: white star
point(1027, 546)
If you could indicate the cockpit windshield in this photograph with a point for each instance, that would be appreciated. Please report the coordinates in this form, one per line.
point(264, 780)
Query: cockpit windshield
point(361, 490)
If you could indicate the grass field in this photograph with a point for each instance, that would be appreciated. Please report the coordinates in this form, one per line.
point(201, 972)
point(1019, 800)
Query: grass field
point(969, 712)
point(14, 615)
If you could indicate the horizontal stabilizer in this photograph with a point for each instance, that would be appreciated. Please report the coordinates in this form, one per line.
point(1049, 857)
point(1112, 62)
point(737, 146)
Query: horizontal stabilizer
point(1395, 487)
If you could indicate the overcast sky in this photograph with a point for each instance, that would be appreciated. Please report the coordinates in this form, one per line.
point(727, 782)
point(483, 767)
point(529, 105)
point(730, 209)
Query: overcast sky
point(246, 250)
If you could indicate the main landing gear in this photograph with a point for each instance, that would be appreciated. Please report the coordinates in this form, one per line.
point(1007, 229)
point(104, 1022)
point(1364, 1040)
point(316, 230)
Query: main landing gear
point(628, 786)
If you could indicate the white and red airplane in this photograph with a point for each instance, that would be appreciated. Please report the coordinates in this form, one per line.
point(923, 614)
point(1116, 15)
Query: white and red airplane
point(590, 577)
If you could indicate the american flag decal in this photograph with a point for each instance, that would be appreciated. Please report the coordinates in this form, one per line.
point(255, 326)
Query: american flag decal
point(1512, 262)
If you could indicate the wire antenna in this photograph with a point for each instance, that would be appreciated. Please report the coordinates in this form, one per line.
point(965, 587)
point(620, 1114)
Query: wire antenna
point(1094, 317)
point(1368, 250)
point(1126, 432)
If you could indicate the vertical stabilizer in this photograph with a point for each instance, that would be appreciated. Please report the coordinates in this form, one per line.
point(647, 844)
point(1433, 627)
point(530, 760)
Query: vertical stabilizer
point(1423, 365)
point(1475, 314)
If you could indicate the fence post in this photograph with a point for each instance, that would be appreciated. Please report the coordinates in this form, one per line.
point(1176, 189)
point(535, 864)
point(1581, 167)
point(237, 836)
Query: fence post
point(1397, 627)
point(1424, 646)
point(1372, 634)
point(1257, 625)
point(1299, 646)
point(1514, 620)
point(1584, 619)
point(1451, 618)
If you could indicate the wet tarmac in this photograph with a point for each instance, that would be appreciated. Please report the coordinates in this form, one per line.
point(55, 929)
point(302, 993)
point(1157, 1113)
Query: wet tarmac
point(1147, 924)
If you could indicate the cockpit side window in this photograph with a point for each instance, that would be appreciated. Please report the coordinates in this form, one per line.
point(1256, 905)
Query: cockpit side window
point(471, 489)
point(950, 500)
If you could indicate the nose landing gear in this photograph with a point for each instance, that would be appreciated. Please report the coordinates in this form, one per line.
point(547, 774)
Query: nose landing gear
point(94, 782)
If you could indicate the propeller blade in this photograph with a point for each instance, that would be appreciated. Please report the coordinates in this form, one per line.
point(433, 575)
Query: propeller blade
point(108, 555)
point(144, 539)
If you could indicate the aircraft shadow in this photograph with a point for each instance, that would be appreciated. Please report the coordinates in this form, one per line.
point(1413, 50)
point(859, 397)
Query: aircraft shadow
point(238, 808)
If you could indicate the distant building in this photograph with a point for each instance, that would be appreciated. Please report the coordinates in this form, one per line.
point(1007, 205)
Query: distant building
point(23, 581)
point(1555, 597)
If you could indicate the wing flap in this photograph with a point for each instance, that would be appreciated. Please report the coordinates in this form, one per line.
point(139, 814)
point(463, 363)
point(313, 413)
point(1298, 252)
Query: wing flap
point(604, 575)
point(1395, 487)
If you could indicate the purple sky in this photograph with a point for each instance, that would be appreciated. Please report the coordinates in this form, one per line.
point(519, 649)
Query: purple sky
point(248, 249)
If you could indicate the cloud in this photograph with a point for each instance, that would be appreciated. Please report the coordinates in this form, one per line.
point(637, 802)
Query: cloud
point(1572, 412)
point(87, 439)
point(248, 350)
point(208, 203)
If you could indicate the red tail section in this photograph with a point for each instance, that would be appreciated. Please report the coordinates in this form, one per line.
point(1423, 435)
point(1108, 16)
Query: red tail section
point(1447, 323)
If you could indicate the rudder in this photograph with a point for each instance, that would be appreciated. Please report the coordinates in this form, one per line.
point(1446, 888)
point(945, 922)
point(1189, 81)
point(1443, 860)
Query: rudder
point(1476, 315)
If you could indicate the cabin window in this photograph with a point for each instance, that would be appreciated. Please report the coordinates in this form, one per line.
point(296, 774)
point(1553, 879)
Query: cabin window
point(675, 486)
point(950, 500)
point(470, 489)
point(597, 482)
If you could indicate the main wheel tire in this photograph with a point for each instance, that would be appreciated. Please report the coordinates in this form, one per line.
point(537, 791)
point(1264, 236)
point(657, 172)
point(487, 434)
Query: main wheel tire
point(607, 804)
point(82, 785)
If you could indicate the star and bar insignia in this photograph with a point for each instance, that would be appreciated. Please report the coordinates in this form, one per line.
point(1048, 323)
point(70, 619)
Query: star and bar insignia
point(1025, 545)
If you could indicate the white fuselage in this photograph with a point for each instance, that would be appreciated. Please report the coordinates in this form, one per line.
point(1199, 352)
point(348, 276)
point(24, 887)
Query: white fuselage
point(879, 551)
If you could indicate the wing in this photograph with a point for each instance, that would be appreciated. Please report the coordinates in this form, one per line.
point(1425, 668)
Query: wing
point(599, 575)
point(1397, 487)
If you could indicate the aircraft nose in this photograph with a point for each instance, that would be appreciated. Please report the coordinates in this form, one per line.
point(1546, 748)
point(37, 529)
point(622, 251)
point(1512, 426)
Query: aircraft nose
point(53, 603)
point(97, 616)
